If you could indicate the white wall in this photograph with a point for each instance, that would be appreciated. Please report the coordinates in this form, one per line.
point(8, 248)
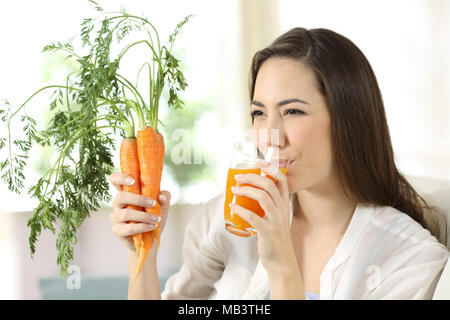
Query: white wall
point(407, 43)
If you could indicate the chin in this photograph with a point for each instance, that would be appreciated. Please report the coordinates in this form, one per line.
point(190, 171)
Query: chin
point(294, 184)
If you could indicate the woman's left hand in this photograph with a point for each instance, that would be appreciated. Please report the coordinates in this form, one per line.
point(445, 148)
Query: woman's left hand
point(274, 236)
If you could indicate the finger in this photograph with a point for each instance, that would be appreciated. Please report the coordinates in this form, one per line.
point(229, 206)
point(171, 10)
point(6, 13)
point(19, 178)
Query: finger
point(131, 215)
point(128, 229)
point(259, 195)
point(164, 200)
point(252, 218)
point(279, 177)
point(123, 199)
point(261, 182)
point(118, 179)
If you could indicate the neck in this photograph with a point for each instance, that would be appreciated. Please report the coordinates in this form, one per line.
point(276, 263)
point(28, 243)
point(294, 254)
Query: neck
point(324, 209)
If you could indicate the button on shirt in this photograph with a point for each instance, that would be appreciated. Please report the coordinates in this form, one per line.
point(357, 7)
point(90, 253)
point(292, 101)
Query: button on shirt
point(384, 254)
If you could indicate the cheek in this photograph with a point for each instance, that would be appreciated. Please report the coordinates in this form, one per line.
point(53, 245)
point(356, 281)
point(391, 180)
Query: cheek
point(308, 138)
point(318, 143)
point(312, 144)
point(312, 137)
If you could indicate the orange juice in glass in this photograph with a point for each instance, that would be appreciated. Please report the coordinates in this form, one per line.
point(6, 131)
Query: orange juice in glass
point(243, 160)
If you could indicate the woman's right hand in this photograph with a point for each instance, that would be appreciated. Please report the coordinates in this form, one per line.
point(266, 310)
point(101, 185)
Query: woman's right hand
point(121, 215)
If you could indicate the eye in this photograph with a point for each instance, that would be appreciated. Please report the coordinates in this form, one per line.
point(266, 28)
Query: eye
point(294, 112)
point(256, 113)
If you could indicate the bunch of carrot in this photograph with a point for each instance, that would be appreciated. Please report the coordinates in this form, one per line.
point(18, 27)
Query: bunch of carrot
point(142, 158)
point(106, 101)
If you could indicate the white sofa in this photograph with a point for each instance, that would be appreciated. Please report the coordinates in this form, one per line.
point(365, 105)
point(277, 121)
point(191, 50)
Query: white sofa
point(437, 192)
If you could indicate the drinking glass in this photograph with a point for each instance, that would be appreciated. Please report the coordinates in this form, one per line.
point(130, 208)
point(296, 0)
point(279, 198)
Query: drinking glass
point(244, 159)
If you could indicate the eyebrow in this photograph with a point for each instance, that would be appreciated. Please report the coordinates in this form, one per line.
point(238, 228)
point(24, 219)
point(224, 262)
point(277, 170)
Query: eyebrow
point(281, 103)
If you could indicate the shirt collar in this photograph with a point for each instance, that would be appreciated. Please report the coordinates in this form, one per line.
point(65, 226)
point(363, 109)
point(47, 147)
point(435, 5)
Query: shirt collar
point(356, 227)
point(259, 282)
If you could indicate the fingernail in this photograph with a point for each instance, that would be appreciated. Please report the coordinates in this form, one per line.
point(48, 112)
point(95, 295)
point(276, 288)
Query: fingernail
point(150, 202)
point(163, 197)
point(129, 181)
point(151, 226)
point(235, 189)
point(263, 163)
point(238, 176)
point(155, 218)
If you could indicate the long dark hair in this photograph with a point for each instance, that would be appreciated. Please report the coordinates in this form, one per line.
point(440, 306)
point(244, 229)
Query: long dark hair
point(361, 143)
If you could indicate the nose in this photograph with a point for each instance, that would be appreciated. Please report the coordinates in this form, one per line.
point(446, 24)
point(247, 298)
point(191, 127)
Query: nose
point(270, 136)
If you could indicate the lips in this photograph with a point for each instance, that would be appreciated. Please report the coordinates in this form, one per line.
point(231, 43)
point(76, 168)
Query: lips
point(290, 163)
point(280, 163)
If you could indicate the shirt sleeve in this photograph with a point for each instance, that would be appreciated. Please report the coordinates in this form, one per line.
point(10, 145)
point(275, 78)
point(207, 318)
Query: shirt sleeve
point(203, 263)
point(412, 274)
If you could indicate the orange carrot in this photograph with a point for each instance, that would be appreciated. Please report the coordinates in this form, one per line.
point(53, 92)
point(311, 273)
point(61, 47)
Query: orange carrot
point(129, 164)
point(151, 157)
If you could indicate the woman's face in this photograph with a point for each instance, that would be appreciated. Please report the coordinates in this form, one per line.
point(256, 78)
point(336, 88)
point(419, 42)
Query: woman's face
point(303, 123)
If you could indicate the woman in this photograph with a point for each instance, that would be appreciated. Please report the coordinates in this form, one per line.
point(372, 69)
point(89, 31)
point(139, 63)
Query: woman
point(342, 224)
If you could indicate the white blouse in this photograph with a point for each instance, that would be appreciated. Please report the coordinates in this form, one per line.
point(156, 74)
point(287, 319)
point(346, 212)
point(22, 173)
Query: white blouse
point(384, 254)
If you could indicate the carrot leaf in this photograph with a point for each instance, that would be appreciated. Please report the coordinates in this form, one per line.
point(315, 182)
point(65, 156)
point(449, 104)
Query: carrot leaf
point(94, 103)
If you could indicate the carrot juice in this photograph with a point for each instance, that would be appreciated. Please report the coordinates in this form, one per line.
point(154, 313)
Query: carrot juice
point(234, 223)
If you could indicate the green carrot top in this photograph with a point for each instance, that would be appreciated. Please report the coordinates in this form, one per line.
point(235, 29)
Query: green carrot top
point(86, 110)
